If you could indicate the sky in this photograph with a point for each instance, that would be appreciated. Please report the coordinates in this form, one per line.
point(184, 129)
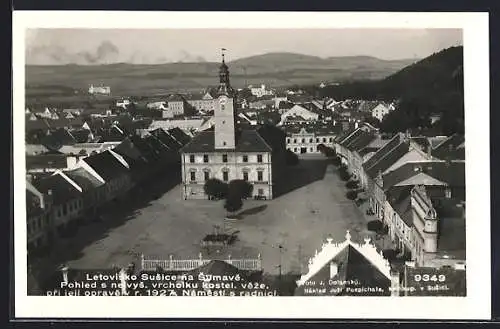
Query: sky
point(143, 46)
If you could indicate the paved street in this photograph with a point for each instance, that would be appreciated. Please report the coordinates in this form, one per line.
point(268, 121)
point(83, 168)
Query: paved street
point(311, 208)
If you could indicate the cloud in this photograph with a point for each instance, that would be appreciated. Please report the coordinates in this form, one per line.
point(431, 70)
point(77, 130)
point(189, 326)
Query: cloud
point(105, 53)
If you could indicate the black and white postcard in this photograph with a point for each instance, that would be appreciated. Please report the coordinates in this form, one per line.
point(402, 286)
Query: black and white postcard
point(251, 165)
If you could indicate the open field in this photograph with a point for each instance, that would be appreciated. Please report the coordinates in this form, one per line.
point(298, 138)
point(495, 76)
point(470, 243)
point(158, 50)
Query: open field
point(299, 220)
point(276, 70)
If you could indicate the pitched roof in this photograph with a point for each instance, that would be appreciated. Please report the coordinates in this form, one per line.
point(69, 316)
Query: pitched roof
point(52, 161)
point(60, 188)
point(451, 238)
point(354, 272)
point(400, 200)
point(179, 135)
point(395, 141)
point(247, 141)
point(83, 178)
point(389, 159)
point(362, 141)
point(106, 165)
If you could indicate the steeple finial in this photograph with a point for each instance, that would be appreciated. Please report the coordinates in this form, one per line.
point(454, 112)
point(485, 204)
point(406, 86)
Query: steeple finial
point(222, 51)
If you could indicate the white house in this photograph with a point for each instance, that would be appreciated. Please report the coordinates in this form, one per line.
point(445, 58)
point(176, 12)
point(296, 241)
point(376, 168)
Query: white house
point(260, 91)
point(298, 111)
point(380, 111)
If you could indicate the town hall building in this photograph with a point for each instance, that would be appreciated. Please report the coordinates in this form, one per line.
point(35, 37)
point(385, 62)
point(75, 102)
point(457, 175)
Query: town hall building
point(227, 152)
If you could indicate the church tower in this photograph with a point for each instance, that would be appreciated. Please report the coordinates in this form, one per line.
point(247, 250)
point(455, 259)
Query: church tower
point(225, 111)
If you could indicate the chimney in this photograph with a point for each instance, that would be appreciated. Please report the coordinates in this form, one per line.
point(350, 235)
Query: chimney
point(395, 282)
point(334, 269)
point(64, 271)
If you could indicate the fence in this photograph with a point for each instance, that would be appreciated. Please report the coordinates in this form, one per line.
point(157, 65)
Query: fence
point(190, 264)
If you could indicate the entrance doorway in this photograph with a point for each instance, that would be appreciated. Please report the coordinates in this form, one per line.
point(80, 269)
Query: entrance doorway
point(303, 150)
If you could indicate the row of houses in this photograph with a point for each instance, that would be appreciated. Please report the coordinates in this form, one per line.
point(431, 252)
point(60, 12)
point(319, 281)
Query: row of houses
point(58, 202)
point(416, 186)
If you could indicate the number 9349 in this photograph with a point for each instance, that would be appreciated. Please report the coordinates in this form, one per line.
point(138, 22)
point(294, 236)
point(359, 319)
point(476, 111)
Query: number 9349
point(429, 278)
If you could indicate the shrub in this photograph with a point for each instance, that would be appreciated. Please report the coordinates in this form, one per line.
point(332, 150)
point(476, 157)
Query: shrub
point(352, 184)
point(240, 188)
point(351, 195)
point(215, 188)
point(344, 175)
point(336, 161)
point(233, 204)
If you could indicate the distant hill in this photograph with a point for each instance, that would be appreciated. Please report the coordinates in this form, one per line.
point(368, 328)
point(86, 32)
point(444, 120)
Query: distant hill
point(433, 85)
point(274, 69)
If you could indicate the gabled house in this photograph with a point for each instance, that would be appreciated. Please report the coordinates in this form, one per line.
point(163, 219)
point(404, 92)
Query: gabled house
point(452, 148)
point(112, 169)
point(298, 110)
point(66, 200)
point(38, 218)
point(348, 268)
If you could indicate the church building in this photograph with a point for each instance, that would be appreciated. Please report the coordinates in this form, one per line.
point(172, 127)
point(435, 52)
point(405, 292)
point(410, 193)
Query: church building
point(227, 152)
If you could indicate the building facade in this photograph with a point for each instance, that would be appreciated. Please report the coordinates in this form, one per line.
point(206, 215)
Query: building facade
point(302, 139)
point(226, 152)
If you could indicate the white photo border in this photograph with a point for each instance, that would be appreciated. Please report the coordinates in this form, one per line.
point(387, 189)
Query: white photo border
point(476, 305)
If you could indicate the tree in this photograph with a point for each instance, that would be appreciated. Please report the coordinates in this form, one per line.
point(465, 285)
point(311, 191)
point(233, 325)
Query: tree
point(216, 188)
point(233, 204)
point(240, 188)
point(352, 184)
point(322, 148)
point(351, 195)
point(291, 158)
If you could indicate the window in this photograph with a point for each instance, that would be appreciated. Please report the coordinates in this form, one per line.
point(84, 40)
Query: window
point(245, 176)
point(259, 157)
point(207, 175)
point(330, 139)
point(191, 158)
point(303, 140)
point(317, 140)
point(205, 158)
point(225, 176)
point(224, 158)
point(295, 149)
point(260, 175)
point(245, 158)
point(310, 140)
point(324, 139)
point(222, 107)
point(295, 140)
point(311, 149)
point(288, 140)
point(260, 191)
point(193, 176)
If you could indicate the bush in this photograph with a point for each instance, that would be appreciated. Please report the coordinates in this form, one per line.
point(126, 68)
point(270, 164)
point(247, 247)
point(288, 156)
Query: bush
point(375, 226)
point(291, 158)
point(215, 188)
point(351, 195)
point(336, 161)
point(344, 175)
point(240, 188)
point(352, 184)
point(233, 204)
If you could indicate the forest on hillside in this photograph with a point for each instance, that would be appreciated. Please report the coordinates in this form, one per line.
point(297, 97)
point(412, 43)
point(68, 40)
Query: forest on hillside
point(433, 85)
